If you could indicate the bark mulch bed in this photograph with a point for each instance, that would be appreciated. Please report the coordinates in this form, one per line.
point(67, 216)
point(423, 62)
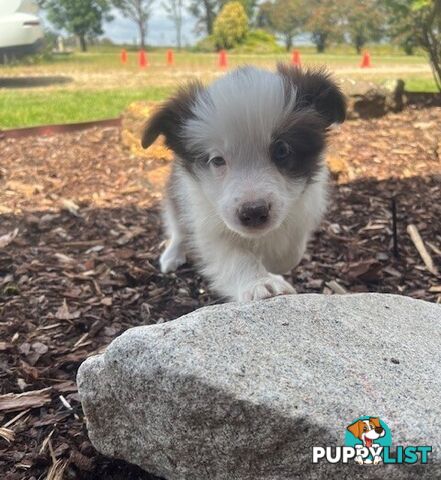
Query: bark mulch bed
point(79, 243)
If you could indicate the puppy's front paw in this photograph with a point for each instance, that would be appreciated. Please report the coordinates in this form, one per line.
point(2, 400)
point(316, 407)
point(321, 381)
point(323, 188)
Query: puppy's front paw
point(266, 287)
point(172, 258)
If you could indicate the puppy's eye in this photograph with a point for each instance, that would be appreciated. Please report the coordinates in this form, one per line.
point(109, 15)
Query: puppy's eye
point(217, 161)
point(281, 150)
point(365, 429)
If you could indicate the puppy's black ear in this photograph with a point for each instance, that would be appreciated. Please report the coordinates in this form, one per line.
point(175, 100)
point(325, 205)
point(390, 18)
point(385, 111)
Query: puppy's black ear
point(316, 89)
point(169, 119)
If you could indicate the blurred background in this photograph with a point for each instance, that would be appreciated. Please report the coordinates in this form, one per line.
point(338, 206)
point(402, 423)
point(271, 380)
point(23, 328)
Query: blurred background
point(70, 61)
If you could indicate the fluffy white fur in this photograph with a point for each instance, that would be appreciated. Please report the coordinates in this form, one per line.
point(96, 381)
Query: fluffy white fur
point(238, 267)
point(234, 118)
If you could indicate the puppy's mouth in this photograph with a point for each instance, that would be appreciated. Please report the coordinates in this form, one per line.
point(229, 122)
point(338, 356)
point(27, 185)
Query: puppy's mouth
point(368, 442)
point(252, 232)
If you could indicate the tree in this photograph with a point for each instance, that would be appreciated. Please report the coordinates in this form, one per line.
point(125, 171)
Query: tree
point(401, 27)
point(248, 5)
point(174, 9)
point(82, 18)
point(205, 11)
point(263, 19)
point(402, 33)
point(284, 17)
point(364, 22)
point(425, 23)
point(231, 25)
point(138, 11)
point(324, 22)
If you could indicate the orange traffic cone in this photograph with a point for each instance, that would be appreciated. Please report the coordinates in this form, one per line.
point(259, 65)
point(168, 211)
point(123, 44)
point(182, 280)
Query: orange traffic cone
point(223, 61)
point(170, 57)
point(143, 59)
point(124, 57)
point(366, 60)
point(296, 60)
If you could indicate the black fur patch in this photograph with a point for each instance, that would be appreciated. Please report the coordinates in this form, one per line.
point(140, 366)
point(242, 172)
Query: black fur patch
point(315, 89)
point(305, 133)
point(319, 103)
point(169, 119)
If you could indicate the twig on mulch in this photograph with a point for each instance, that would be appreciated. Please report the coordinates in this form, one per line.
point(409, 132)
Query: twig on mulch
point(336, 287)
point(56, 471)
point(415, 236)
point(11, 402)
point(7, 434)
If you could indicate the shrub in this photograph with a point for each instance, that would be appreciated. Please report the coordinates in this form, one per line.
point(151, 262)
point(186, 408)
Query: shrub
point(259, 41)
point(231, 25)
point(256, 41)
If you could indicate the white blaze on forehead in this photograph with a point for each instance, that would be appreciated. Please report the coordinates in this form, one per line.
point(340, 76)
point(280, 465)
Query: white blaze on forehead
point(244, 106)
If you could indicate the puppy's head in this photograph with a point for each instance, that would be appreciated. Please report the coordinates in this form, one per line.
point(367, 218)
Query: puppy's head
point(370, 428)
point(253, 140)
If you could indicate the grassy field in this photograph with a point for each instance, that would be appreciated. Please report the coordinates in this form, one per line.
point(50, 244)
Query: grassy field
point(95, 85)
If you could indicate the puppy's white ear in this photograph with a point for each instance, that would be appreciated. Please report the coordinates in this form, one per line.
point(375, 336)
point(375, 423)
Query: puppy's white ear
point(169, 118)
point(315, 88)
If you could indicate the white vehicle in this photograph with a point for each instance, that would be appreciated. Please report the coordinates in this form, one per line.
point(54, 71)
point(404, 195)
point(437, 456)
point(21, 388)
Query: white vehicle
point(21, 31)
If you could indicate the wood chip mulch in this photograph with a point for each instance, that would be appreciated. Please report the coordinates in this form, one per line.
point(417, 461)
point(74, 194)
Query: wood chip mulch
point(79, 244)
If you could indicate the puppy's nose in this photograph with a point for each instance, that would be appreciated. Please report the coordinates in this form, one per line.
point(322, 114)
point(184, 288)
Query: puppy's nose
point(253, 214)
point(379, 429)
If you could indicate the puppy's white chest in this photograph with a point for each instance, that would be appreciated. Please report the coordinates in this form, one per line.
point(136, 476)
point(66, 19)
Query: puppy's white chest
point(283, 252)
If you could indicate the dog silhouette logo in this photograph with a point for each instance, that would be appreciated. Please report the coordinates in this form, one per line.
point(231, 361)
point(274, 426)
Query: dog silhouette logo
point(368, 435)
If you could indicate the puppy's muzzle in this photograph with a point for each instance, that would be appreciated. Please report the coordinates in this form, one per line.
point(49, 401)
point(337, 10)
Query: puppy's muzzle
point(254, 214)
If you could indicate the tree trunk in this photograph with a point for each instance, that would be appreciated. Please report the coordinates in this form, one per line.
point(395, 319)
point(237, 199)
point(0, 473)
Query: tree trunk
point(431, 43)
point(321, 46)
point(83, 43)
point(142, 35)
point(179, 34)
point(319, 39)
point(359, 44)
point(209, 17)
point(408, 49)
point(288, 42)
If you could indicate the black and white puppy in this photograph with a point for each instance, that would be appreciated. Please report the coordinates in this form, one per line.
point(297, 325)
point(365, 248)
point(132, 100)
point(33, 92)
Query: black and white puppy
point(248, 184)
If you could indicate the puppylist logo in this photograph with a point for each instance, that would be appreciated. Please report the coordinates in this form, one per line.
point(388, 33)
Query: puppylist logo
point(368, 440)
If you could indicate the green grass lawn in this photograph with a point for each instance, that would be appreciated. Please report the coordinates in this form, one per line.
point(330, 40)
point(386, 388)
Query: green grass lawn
point(22, 109)
point(100, 87)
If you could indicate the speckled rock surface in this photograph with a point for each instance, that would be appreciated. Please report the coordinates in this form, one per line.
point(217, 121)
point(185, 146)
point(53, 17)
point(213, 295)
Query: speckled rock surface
point(243, 391)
